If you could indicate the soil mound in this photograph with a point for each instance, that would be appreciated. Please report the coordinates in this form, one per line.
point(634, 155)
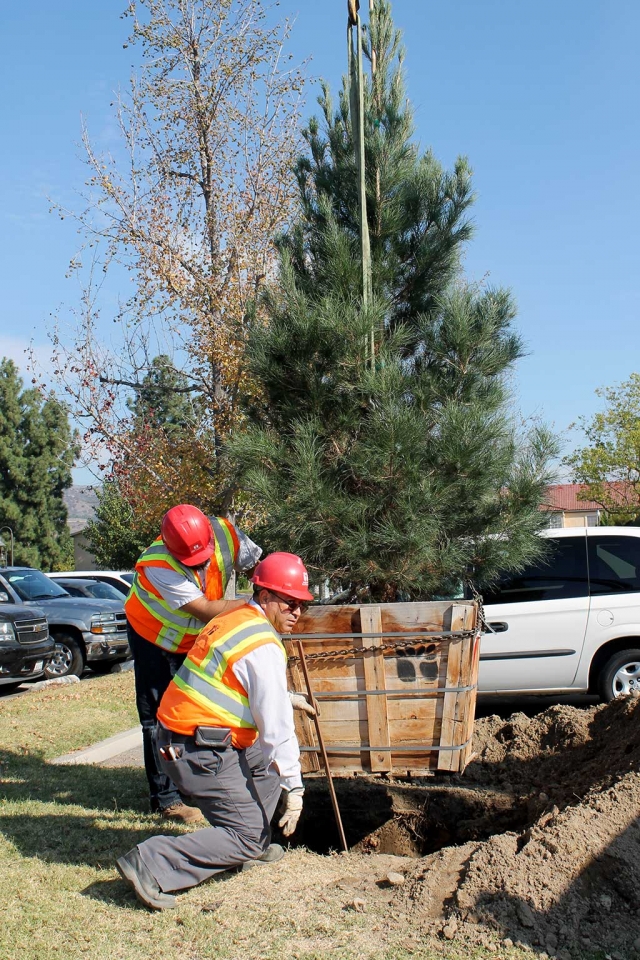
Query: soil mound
point(560, 751)
point(568, 881)
point(538, 843)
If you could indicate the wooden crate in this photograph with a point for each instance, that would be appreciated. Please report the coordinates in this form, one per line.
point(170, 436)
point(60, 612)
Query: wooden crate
point(386, 709)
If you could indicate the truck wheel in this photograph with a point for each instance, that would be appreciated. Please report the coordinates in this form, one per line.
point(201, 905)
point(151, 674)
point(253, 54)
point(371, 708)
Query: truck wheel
point(620, 675)
point(67, 658)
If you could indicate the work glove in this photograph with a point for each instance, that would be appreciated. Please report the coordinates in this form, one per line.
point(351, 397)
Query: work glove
point(290, 810)
point(299, 702)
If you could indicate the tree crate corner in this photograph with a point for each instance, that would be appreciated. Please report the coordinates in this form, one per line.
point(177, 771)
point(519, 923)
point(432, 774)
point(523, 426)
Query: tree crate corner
point(396, 684)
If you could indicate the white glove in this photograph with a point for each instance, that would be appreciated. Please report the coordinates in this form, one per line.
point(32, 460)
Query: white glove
point(299, 702)
point(291, 810)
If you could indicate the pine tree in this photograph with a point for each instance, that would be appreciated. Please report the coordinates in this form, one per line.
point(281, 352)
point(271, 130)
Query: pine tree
point(117, 534)
point(163, 400)
point(397, 477)
point(37, 452)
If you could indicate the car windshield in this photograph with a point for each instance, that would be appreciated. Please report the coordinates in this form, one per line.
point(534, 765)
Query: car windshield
point(103, 591)
point(33, 585)
point(128, 577)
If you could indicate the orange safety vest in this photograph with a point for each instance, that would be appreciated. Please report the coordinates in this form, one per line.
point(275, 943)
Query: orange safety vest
point(149, 613)
point(205, 691)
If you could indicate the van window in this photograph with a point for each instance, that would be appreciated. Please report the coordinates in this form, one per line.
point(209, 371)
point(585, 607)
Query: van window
point(614, 564)
point(560, 575)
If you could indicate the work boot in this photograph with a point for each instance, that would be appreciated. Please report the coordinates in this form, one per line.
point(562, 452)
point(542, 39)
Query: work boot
point(181, 812)
point(132, 869)
point(273, 852)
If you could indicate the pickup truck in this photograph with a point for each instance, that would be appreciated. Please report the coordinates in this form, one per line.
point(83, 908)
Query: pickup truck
point(569, 623)
point(25, 644)
point(86, 632)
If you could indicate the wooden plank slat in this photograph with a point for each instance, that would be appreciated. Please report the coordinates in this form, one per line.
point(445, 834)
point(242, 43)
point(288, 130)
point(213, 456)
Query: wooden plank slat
point(377, 716)
point(467, 706)
point(325, 681)
point(427, 672)
point(427, 711)
point(426, 616)
point(471, 703)
point(461, 619)
point(345, 711)
point(305, 732)
point(448, 759)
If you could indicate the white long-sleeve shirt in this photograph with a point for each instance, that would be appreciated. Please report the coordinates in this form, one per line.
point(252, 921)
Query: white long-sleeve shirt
point(262, 673)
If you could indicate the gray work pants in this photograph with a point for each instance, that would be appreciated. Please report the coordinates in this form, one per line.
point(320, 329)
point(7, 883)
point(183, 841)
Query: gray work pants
point(237, 796)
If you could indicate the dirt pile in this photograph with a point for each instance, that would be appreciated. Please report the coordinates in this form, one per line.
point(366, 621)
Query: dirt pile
point(566, 881)
point(560, 751)
point(538, 843)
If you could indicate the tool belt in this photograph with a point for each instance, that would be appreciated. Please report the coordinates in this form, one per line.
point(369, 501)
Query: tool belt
point(218, 738)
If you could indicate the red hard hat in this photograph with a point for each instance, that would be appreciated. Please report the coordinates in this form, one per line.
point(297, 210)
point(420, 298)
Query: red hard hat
point(187, 534)
point(284, 573)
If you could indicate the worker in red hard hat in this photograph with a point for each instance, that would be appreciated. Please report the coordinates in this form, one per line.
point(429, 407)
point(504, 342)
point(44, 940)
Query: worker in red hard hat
point(226, 737)
point(179, 586)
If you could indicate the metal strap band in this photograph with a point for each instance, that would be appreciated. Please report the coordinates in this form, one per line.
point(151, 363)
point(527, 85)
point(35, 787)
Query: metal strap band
point(397, 692)
point(440, 635)
point(367, 749)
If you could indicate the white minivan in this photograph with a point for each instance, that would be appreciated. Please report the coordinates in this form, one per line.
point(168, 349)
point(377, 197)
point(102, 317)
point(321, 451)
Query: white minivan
point(569, 623)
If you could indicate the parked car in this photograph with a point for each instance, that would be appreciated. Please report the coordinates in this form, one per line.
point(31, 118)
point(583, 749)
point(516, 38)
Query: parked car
point(86, 632)
point(25, 644)
point(120, 579)
point(78, 587)
point(569, 623)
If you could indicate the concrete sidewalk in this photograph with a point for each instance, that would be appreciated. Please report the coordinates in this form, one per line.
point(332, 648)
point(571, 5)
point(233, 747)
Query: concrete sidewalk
point(124, 749)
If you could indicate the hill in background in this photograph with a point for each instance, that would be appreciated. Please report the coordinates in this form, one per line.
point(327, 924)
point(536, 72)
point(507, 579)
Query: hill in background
point(81, 503)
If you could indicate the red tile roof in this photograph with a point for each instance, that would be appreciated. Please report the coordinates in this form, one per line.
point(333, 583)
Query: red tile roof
point(564, 496)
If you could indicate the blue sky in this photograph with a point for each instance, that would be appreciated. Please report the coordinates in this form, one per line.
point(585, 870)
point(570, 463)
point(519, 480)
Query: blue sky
point(543, 98)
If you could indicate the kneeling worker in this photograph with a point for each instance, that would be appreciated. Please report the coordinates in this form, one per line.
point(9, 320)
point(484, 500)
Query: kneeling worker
point(226, 738)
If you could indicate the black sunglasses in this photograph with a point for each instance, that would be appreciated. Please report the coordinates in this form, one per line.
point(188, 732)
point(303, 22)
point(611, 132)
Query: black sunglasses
point(291, 604)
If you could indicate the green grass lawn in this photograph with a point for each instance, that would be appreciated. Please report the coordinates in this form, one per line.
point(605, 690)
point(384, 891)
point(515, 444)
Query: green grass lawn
point(62, 827)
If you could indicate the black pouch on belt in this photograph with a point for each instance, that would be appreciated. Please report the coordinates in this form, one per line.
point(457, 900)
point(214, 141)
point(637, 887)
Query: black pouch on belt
point(217, 737)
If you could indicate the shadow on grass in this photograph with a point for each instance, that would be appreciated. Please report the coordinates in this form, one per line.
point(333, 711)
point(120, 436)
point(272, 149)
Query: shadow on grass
point(117, 892)
point(112, 892)
point(29, 777)
point(92, 840)
point(114, 798)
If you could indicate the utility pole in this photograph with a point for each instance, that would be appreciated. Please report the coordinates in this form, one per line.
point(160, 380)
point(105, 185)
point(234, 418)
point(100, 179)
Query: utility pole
point(356, 101)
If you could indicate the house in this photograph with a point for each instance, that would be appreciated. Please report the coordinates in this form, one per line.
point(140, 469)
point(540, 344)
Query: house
point(83, 558)
point(81, 503)
point(566, 510)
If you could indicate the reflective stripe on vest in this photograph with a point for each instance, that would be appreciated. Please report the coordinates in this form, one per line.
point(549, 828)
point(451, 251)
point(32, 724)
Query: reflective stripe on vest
point(149, 613)
point(152, 617)
point(226, 551)
point(198, 692)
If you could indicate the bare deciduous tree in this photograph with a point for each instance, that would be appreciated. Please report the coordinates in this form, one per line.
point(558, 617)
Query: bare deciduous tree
point(189, 207)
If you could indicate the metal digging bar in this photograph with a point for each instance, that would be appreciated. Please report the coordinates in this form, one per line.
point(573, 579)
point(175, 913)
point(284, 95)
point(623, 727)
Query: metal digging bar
point(323, 749)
